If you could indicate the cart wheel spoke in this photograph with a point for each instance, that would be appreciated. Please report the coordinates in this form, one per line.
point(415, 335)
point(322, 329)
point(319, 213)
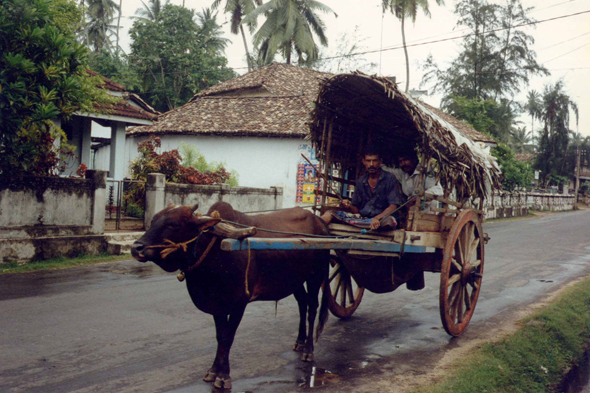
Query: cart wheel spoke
point(467, 300)
point(344, 294)
point(333, 275)
point(337, 286)
point(461, 272)
point(454, 278)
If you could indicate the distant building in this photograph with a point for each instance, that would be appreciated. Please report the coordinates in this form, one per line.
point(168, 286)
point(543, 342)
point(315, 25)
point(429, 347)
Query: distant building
point(131, 110)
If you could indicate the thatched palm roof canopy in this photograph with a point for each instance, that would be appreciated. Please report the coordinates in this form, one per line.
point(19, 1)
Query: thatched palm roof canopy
point(367, 109)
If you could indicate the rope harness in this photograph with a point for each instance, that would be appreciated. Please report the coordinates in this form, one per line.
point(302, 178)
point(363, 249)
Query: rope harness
point(169, 247)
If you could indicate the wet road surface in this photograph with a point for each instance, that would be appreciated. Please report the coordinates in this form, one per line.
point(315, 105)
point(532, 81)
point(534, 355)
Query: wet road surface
point(130, 327)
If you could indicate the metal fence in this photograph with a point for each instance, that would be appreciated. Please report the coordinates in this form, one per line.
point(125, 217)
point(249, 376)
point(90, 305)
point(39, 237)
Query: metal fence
point(125, 206)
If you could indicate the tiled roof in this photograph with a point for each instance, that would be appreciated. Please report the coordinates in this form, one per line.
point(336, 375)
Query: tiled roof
point(237, 116)
point(123, 107)
point(463, 127)
point(279, 79)
point(108, 83)
point(525, 157)
point(283, 110)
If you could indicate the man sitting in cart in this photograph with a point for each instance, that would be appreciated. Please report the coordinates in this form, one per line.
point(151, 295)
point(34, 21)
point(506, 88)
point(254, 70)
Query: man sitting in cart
point(376, 196)
point(407, 173)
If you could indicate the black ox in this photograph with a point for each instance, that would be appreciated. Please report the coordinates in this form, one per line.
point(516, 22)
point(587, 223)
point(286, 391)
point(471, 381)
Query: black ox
point(216, 280)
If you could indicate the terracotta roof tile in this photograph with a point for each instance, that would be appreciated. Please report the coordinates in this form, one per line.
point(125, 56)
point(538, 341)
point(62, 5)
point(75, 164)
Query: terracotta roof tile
point(279, 79)
point(239, 116)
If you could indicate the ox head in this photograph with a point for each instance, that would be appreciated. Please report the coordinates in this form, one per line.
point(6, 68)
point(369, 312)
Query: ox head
point(175, 224)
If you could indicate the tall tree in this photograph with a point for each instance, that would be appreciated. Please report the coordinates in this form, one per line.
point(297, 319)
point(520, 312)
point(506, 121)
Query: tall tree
point(532, 106)
point(520, 140)
point(403, 9)
point(496, 59)
point(173, 58)
point(151, 10)
point(211, 31)
point(553, 144)
point(43, 76)
point(237, 10)
point(119, 25)
point(289, 27)
point(100, 27)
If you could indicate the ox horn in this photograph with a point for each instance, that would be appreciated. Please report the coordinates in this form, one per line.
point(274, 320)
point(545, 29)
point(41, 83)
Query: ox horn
point(194, 208)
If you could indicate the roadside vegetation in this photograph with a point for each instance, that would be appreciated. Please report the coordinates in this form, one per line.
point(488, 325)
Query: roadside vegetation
point(536, 358)
point(59, 263)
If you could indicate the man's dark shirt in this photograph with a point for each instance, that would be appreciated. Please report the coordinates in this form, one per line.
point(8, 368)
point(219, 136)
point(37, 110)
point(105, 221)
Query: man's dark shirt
point(386, 193)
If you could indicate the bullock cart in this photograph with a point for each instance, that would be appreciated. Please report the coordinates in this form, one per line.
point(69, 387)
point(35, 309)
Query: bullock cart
point(437, 233)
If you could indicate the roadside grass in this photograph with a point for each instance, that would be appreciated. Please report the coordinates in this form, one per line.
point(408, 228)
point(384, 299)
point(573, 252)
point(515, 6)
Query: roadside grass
point(59, 263)
point(536, 358)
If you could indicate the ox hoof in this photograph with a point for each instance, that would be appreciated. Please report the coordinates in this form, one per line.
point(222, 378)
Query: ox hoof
point(307, 357)
point(222, 382)
point(210, 376)
point(299, 347)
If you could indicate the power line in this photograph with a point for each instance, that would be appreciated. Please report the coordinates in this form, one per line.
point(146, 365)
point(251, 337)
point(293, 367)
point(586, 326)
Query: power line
point(459, 37)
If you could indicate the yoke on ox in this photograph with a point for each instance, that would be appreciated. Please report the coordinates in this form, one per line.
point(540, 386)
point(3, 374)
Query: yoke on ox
point(222, 283)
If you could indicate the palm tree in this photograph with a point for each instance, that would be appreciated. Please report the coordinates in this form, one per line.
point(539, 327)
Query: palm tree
point(150, 11)
point(237, 10)
point(520, 139)
point(288, 27)
point(211, 31)
point(99, 28)
point(403, 9)
point(533, 108)
point(119, 25)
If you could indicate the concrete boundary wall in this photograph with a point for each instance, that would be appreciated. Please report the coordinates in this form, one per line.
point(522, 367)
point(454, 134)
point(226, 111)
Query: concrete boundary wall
point(160, 194)
point(514, 204)
point(46, 217)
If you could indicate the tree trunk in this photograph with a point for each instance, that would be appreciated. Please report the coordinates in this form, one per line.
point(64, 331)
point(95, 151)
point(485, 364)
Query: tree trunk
point(246, 47)
point(406, 53)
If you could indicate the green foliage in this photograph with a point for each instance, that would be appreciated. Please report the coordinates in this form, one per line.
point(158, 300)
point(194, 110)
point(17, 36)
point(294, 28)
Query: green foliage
point(535, 358)
point(487, 116)
point(554, 158)
point(43, 75)
point(289, 28)
point(115, 67)
point(174, 57)
point(191, 157)
point(99, 28)
point(496, 59)
point(516, 174)
point(168, 163)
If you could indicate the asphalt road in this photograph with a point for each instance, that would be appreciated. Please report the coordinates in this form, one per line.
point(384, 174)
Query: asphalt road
point(130, 327)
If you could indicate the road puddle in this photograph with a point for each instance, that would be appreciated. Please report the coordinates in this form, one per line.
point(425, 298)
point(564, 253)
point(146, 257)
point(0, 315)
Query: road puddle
point(320, 377)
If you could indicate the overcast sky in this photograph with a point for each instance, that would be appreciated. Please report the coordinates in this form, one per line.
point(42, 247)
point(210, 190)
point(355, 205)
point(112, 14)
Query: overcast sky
point(562, 45)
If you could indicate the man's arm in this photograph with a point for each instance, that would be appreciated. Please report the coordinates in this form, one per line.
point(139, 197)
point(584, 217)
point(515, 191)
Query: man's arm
point(375, 221)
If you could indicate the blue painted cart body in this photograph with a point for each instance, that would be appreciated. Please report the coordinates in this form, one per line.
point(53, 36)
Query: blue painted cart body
point(319, 244)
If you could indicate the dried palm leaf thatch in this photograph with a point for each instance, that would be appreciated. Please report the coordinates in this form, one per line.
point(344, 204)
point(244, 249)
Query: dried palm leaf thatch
point(366, 109)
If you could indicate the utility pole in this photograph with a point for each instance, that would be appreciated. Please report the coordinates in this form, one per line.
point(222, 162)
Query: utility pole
point(577, 179)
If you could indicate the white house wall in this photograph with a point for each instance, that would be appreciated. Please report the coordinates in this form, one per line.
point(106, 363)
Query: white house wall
point(261, 162)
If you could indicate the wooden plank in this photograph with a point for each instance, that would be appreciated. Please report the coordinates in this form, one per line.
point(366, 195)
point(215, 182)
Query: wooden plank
point(293, 243)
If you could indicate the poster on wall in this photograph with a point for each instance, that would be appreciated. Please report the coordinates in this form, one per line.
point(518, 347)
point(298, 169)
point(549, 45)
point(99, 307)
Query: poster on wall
point(307, 178)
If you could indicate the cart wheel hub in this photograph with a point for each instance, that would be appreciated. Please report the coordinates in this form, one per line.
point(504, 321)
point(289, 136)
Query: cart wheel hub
point(466, 273)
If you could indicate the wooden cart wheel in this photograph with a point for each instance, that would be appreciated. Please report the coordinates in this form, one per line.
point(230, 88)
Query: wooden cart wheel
point(461, 272)
point(344, 294)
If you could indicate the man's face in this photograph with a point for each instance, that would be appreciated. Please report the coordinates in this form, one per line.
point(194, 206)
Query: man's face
point(406, 164)
point(372, 163)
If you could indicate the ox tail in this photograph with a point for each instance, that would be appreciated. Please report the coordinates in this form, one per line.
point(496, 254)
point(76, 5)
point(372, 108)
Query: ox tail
point(323, 318)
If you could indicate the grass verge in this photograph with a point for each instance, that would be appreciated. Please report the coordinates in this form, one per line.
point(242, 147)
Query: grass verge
point(536, 358)
point(59, 263)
